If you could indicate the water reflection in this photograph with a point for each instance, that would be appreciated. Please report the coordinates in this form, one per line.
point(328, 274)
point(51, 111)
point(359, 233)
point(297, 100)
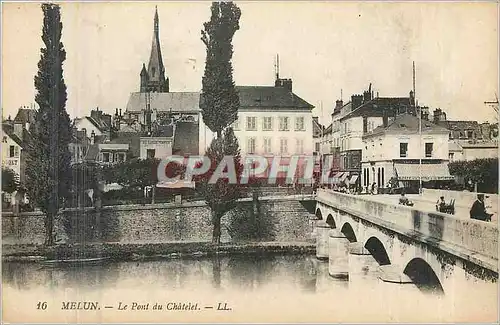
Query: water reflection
point(283, 282)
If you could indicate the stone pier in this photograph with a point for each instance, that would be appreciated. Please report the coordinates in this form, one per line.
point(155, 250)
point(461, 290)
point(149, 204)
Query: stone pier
point(322, 229)
point(338, 247)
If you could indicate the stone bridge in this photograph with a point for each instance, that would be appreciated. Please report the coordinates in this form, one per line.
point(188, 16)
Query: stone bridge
point(401, 245)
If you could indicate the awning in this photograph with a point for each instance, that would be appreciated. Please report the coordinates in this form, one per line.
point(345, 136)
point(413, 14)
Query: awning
point(343, 177)
point(176, 185)
point(353, 179)
point(428, 172)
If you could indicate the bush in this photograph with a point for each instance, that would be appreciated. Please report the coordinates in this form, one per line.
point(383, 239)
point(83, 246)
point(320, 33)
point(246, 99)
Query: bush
point(484, 172)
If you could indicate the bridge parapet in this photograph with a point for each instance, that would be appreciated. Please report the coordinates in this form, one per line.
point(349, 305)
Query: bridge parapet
point(470, 239)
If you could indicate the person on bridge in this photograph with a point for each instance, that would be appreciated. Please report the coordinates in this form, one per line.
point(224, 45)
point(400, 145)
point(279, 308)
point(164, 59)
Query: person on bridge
point(478, 210)
point(441, 204)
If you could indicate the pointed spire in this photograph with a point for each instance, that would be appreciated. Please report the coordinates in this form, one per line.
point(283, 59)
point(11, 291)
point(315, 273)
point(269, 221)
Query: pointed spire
point(156, 70)
point(143, 71)
point(157, 22)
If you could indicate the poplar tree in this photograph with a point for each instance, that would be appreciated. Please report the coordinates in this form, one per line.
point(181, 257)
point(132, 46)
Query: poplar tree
point(219, 99)
point(48, 172)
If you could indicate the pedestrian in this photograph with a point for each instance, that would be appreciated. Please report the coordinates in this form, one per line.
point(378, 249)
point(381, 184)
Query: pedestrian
point(440, 204)
point(478, 210)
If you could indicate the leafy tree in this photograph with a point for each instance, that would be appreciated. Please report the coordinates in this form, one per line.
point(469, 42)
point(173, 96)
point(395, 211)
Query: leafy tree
point(219, 99)
point(10, 180)
point(222, 195)
point(483, 172)
point(48, 171)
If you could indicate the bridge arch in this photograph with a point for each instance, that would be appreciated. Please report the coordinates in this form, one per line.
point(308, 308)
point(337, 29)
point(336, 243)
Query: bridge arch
point(331, 221)
point(319, 216)
point(349, 232)
point(378, 251)
point(423, 276)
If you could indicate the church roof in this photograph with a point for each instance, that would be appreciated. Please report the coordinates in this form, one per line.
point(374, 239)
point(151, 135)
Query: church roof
point(177, 102)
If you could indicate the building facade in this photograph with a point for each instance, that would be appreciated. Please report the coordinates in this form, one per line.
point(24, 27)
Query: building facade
point(396, 148)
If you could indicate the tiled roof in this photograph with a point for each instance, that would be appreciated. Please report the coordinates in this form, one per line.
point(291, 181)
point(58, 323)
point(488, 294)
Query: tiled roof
point(166, 131)
point(182, 102)
point(459, 125)
point(328, 130)
point(133, 139)
point(25, 115)
point(92, 152)
point(186, 138)
point(406, 123)
point(376, 106)
point(270, 97)
point(317, 128)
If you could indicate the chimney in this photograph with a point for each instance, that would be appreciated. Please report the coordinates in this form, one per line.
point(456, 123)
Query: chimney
point(412, 98)
point(356, 101)
point(120, 112)
point(367, 96)
point(116, 112)
point(92, 137)
point(385, 118)
point(339, 104)
point(284, 83)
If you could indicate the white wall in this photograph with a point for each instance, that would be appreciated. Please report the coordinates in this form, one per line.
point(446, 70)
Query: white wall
point(386, 147)
point(479, 153)
point(161, 145)
point(13, 163)
point(275, 135)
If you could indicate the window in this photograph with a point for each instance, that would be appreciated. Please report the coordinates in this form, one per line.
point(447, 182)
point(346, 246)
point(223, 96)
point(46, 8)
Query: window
point(105, 157)
point(251, 145)
point(450, 156)
point(284, 146)
point(317, 147)
point(403, 149)
point(428, 149)
point(150, 153)
point(267, 124)
point(451, 135)
point(4, 139)
point(11, 151)
point(299, 123)
point(267, 145)
point(300, 146)
point(251, 123)
point(120, 157)
point(236, 124)
point(469, 135)
point(283, 123)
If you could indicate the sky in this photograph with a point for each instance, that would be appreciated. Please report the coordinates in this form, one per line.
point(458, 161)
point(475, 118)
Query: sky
point(327, 48)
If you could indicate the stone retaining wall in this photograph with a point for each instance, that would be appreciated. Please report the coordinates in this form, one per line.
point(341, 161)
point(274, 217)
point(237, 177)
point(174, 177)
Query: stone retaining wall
point(157, 223)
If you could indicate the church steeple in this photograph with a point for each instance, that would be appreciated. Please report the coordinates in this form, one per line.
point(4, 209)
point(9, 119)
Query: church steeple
point(154, 80)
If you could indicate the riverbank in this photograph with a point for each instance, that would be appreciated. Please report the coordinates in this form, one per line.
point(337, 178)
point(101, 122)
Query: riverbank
point(156, 251)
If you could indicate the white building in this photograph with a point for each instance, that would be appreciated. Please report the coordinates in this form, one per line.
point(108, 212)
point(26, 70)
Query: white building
point(471, 150)
point(272, 121)
point(395, 150)
point(11, 152)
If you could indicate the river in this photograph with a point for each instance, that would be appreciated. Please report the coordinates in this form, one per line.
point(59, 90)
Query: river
point(249, 288)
